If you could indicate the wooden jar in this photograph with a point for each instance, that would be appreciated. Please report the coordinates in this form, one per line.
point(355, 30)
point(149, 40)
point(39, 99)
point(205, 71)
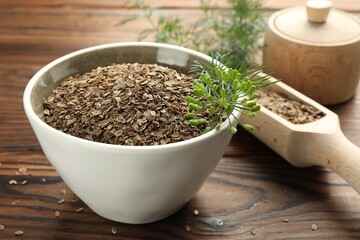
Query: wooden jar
point(316, 50)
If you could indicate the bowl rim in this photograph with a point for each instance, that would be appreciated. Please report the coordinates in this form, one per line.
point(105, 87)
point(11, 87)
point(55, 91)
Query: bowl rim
point(34, 117)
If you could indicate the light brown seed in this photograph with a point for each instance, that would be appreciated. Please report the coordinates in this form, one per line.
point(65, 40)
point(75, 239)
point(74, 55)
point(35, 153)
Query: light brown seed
point(114, 230)
point(187, 228)
point(61, 201)
point(22, 170)
point(24, 182)
point(313, 227)
point(75, 199)
point(63, 192)
point(253, 233)
point(2, 227)
point(15, 202)
point(219, 222)
point(285, 219)
point(79, 210)
point(131, 88)
point(294, 111)
point(57, 213)
point(19, 233)
point(13, 182)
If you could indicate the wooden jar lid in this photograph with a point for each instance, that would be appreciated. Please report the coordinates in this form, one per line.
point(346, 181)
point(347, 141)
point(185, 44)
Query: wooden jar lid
point(316, 50)
point(316, 24)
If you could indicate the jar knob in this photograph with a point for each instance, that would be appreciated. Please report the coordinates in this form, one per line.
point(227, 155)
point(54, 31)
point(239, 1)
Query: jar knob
point(318, 10)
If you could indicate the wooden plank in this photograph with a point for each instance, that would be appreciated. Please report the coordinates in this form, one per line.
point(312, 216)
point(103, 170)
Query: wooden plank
point(346, 5)
point(250, 191)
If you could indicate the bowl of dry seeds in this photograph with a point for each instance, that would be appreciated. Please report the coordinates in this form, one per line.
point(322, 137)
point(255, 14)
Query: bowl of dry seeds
point(109, 119)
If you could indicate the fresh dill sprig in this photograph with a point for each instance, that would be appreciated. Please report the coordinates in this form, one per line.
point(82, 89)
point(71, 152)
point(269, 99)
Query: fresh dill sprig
point(235, 29)
point(219, 90)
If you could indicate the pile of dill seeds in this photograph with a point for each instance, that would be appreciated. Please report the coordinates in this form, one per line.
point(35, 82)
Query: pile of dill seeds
point(123, 104)
point(293, 111)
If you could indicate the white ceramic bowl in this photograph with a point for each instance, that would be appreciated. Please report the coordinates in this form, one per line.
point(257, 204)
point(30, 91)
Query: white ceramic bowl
point(130, 184)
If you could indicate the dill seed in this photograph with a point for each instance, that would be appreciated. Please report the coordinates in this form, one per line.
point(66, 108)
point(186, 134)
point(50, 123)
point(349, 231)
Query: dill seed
point(79, 210)
point(13, 182)
point(63, 192)
point(75, 199)
point(22, 170)
point(114, 230)
point(24, 182)
point(43, 179)
point(187, 228)
point(253, 233)
point(313, 227)
point(61, 201)
point(293, 111)
point(285, 219)
point(219, 223)
point(2, 227)
point(19, 233)
point(15, 202)
point(131, 104)
point(57, 214)
point(196, 212)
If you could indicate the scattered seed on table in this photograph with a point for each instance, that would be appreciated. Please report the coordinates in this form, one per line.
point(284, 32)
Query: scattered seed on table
point(219, 222)
point(196, 212)
point(57, 214)
point(22, 170)
point(285, 219)
point(79, 210)
point(187, 228)
point(74, 199)
point(253, 233)
point(43, 179)
point(2, 227)
point(13, 182)
point(15, 202)
point(61, 201)
point(114, 230)
point(19, 233)
point(313, 227)
point(63, 192)
point(24, 182)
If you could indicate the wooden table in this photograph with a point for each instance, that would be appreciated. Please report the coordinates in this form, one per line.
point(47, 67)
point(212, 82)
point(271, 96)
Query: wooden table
point(252, 194)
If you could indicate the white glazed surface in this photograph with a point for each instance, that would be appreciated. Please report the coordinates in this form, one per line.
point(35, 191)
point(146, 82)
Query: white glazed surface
point(130, 184)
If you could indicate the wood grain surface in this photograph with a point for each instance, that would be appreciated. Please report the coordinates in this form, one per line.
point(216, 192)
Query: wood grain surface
point(330, 72)
point(252, 194)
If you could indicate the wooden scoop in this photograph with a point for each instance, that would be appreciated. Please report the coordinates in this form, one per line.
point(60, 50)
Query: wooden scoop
point(316, 143)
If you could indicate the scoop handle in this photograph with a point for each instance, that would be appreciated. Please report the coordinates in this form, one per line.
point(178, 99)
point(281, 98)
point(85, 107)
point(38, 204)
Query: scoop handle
point(336, 152)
